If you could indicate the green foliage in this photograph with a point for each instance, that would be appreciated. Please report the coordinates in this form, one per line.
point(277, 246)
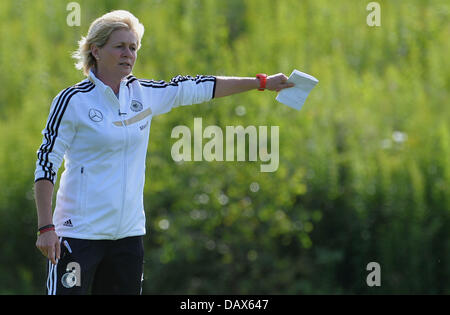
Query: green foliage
point(364, 167)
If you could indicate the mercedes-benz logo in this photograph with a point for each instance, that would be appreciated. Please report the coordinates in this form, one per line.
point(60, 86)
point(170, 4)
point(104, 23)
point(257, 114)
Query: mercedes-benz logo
point(95, 115)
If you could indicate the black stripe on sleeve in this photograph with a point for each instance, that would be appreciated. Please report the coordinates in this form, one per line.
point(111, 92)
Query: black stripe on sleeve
point(214, 87)
point(53, 125)
point(43, 178)
point(57, 110)
point(72, 93)
point(175, 81)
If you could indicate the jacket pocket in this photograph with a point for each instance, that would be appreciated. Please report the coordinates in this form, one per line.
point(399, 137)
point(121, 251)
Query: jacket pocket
point(82, 193)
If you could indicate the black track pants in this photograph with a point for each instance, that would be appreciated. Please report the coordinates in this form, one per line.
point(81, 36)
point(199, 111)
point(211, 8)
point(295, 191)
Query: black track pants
point(97, 267)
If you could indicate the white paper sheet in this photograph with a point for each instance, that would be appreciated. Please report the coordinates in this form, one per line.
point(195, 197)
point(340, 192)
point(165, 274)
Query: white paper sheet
point(296, 96)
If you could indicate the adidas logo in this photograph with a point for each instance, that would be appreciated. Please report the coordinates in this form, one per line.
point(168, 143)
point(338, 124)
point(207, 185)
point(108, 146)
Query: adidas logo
point(68, 223)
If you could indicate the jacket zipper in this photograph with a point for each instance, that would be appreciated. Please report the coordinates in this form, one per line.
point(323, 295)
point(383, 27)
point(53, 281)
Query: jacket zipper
point(124, 180)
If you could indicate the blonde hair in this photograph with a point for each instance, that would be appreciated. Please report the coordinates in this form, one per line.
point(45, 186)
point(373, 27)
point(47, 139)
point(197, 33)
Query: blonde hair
point(99, 32)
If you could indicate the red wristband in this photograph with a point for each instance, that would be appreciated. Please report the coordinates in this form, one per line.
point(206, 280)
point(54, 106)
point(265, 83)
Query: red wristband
point(45, 229)
point(262, 81)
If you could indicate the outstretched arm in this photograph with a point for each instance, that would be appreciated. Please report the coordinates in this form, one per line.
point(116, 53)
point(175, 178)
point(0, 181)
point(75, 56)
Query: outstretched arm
point(231, 85)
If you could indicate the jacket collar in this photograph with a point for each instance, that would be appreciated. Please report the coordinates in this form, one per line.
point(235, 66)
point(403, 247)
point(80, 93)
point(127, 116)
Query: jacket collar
point(103, 87)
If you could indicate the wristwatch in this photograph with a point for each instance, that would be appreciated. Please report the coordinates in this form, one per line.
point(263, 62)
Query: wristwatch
point(262, 81)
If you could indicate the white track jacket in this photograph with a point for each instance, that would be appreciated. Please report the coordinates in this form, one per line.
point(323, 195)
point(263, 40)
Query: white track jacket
point(103, 140)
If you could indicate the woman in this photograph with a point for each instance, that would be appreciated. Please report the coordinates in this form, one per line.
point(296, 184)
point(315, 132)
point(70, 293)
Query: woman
point(101, 127)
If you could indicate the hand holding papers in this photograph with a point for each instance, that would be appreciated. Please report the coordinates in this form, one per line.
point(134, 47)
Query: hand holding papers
point(296, 96)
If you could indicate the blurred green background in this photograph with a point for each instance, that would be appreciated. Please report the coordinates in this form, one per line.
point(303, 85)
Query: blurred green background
point(364, 167)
